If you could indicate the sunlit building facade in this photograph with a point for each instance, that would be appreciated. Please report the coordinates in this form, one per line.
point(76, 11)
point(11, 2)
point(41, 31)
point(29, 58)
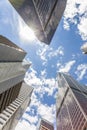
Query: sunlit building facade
point(42, 16)
point(71, 104)
point(45, 125)
point(15, 94)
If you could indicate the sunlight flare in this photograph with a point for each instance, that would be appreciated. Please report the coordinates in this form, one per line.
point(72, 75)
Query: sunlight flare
point(26, 33)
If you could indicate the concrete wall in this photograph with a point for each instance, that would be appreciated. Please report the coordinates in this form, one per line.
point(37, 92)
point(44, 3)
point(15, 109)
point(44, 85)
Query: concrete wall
point(11, 115)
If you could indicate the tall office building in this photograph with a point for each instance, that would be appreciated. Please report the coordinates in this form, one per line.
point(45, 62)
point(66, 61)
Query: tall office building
point(45, 125)
point(84, 48)
point(71, 104)
point(42, 16)
point(14, 92)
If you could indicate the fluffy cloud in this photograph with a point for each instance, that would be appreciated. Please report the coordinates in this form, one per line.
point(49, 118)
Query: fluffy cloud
point(67, 66)
point(31, 119)
point(32, 79)
point(42, 85)
point(47, 112)
point(42, 53)
point(84, 47)
point(24, 125)
point(82, 27)
point(29, 122)
point(76, 13)
point(81, 71)
point(46, 53)
point(58, 51)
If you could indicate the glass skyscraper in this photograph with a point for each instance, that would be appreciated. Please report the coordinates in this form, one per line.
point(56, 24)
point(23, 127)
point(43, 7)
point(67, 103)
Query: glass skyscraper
point(43, 16)
point(71, 104)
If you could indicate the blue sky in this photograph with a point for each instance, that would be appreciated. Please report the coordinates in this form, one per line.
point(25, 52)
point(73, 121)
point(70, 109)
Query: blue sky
point(63, 54)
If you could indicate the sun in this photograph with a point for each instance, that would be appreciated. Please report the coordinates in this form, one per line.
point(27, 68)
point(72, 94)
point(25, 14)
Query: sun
point(26, 33)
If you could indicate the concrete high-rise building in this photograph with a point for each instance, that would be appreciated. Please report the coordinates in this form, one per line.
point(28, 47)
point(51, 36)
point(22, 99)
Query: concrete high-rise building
point(71, 104)
point(45, 125)
point(42, 16)
point(14, 92)
point(84, 48)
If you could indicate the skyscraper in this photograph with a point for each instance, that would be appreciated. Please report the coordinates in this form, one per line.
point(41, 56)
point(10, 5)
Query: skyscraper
point(45, 125)
point(71, 104)
point(14, 92)
point(43, 16)
point(84, 48)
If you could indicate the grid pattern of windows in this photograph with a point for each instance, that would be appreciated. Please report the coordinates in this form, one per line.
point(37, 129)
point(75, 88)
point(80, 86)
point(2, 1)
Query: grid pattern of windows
point(44, 128)
point(45, 125)
point(10, 116)
point(74, 84)
point(64, 119)
point(82, 99)
point(70, 116)
point(8, 96)
point(76, 115)
point(43, 16)
point(44, 9)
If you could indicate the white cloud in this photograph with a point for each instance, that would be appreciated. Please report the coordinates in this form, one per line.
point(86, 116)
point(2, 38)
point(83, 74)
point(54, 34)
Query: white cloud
point(24, 125)
point(76, 13)
point(84, 47)
point(42, 53)
point(58, 64)
point(31, 119)
point(47, 112)
point(67, 66)
point(43, 73)
point(82, 27)
point(46, 53)
point(66, 25)
point(32, 79)
point(81, 71)
point(43, 110)
point(42, 85)
point(58, 51)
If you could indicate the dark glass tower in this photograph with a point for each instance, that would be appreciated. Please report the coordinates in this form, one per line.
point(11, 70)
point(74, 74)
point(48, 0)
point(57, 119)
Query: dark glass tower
point(71, 104)
point(43, 16)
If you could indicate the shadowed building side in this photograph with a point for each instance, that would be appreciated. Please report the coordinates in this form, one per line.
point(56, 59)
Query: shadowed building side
point(42, 16)
point(13, 112)
point(12, 71)
point(14, 93)
point(9, 52)
point(71, 104)
point(45, 125)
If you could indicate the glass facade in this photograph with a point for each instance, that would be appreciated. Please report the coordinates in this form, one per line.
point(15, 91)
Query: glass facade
point(44, 8)
point(43, 16)
point(72, 114)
